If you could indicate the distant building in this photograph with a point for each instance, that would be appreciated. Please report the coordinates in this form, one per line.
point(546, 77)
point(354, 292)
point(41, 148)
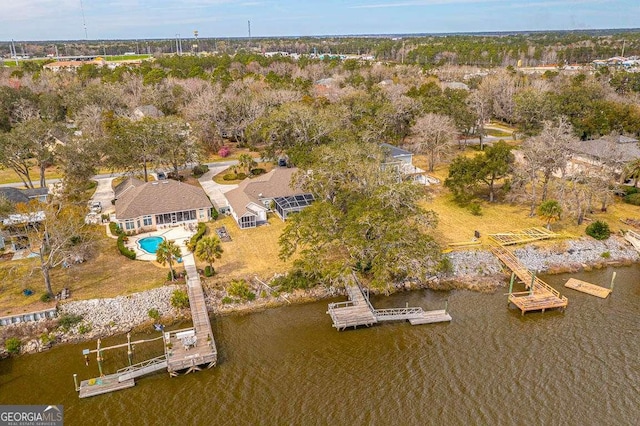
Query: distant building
point(72, 65)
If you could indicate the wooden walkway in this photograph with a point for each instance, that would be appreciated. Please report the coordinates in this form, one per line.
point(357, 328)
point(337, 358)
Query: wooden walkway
point(358, 311)
point(185, 350)
point(540, 297)
point(522, 236)
point(585, 287)
point(190, 349)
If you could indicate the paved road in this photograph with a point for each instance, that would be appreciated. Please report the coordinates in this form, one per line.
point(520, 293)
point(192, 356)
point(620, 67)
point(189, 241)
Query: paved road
point(104, 191)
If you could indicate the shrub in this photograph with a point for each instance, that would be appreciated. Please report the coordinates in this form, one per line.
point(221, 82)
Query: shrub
point(214, 213)
point(241, 290)
point(598, 230)
point(234, 176)
point(179, 299)
point(124, 250)
point(224, 152)
point(606, 255)
point(633, 199)
point(153, 314)
point(115, 229)
point(172, 277)
point(84, 328)
point(199, 170)
point(12, 345)
point(209, 271)
point(291, 281)
point(175, 176)
point(226, 300)
point(46, 338)
point(475, 209)
point(67, 321)
point(258, 171)
point(202, 229)
point(45, 298)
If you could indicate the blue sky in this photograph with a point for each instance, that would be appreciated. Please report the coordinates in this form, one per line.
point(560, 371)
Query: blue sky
point(130, 19)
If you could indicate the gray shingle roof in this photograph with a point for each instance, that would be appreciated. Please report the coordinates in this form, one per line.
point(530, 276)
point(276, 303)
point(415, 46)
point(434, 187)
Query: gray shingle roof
point(394, 151)
point(125, 185)
point(624, 150)
point(16, 195)
point(160, 197)
point(276, 183)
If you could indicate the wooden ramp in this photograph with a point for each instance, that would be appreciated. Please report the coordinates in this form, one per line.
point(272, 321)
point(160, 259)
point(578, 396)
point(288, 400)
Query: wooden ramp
point(522, 236)
point(102, 385)
point(192, 348)
point(585, 287)
point(540, 297)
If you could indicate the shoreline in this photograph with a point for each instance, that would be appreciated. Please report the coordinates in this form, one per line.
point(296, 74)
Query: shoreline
point(474, 270)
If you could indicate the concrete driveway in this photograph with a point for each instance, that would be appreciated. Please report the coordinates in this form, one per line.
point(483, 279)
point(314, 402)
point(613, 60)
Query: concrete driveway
point(104, 193)
point(214, 190)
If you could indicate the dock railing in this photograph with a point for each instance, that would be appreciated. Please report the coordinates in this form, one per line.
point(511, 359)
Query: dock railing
point(146, 363)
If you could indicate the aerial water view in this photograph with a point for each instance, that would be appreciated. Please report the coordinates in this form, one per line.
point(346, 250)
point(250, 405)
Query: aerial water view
point(358, 212)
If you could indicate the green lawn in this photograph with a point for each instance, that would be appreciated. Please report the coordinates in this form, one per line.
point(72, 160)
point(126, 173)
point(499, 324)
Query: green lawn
point(125, 58)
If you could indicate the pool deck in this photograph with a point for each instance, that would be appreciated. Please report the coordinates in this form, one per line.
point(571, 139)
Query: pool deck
point(179, 234)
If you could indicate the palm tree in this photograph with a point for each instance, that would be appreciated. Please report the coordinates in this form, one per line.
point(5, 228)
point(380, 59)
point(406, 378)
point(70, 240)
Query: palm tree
point(209, 249)
point(550, 210)
point(246, 162)
point(167, 251)
point(632, 171)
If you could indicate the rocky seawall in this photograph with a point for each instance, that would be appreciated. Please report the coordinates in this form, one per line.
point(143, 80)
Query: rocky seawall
point(477, 270)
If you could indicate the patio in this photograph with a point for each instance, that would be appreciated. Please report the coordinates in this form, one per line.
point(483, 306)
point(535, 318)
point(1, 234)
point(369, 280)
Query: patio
point(180, 234)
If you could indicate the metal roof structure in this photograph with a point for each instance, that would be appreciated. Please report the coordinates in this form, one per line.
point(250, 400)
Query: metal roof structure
point(292, 203)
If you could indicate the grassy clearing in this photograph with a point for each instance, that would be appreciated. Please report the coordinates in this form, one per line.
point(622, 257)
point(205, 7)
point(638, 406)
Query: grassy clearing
point(107, 274)
point(251, 252)
point(9, 176)
point(117, 58)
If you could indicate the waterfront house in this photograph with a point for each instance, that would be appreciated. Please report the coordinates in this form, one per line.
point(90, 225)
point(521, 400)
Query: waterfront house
point(12, 233)
point(249, 203)
point(611, 152)
point(142, 207)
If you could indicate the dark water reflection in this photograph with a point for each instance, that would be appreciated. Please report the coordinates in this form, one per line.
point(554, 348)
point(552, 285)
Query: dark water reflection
point(289, 366)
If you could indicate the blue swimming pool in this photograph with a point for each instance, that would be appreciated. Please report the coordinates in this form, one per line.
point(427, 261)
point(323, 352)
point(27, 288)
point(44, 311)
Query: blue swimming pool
point(150, 244)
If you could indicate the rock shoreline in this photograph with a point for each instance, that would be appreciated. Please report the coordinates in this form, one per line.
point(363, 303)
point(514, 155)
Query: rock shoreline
point(476, 270)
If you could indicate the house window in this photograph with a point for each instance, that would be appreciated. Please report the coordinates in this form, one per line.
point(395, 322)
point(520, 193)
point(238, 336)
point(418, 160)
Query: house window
point(146, 220)
point(201, 213)
point(129, 225)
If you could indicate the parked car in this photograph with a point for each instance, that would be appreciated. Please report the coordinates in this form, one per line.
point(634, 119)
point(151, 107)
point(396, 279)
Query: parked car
point(96, 207)
point(161, 175)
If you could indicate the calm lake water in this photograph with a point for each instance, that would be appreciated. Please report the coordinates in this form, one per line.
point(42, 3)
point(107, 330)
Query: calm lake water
point(289, 366)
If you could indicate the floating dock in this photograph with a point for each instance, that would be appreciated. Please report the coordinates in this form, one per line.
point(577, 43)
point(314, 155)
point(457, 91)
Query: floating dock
point(358, 311)
point(186, 350)
point(585, 287)
point(101, 385)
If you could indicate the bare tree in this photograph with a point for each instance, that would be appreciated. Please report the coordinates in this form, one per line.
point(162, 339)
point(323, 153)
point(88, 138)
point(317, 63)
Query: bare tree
point(435, 135)
point(57, 233)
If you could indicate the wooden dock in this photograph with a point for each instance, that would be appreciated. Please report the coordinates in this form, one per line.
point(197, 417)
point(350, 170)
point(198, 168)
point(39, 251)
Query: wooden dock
point(191, 349)
point(358, 311)
point(585, 287)
point(102, 385)
point(522, 236)
point(540, 297)
point(186, 350)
